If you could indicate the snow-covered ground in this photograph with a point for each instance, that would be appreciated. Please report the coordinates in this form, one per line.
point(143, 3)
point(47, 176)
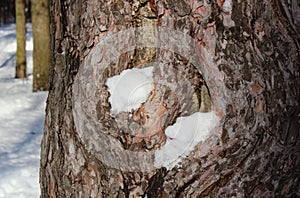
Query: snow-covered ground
point(21, 121)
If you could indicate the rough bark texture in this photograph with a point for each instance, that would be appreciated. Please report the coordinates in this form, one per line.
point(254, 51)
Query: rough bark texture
point(21, 39)
point(248, 54)
point(41, 44)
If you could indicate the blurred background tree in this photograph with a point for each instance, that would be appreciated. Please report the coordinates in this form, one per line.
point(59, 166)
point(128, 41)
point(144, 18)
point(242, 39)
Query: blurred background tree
point(21, 39)
point(41, 43)
point(37, 12)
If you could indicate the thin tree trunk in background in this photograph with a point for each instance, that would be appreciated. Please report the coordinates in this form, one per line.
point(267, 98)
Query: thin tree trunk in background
point(21, 39)
point(41, 44)
point(248, 54)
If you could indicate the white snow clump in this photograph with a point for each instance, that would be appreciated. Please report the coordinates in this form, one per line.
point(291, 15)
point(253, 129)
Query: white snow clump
point(129, 89)
point(183, 136)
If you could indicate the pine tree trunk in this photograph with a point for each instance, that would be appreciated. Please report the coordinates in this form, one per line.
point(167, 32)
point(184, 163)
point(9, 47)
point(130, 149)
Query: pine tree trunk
point(245, 52)
point(41, 44)
point(21, 39)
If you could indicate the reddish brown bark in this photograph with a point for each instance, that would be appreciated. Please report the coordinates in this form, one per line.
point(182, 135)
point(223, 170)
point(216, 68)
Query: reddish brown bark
point(248, 54)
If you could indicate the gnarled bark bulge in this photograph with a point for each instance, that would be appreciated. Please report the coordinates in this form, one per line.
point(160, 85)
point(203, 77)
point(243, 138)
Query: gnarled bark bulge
point(239, 59)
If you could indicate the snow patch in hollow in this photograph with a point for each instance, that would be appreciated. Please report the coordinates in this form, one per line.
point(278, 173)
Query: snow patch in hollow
point(130, 89)
point(183, 136)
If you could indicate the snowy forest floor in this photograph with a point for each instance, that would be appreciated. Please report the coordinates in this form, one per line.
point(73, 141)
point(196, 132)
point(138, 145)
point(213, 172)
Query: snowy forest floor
point(21, 121)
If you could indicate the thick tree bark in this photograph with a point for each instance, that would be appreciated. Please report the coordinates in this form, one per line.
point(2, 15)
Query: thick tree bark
point(248, 54)
point(21, 39)
point(41, 44)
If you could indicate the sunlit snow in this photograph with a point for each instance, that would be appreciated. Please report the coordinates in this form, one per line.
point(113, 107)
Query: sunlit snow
point(183, 136)
point(129, 89)
point(21, 122)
